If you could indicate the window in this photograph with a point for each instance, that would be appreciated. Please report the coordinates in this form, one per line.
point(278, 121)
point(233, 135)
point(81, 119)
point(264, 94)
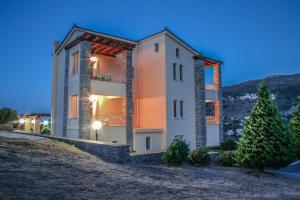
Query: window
point(180, 72)
point(174, 72)
point(74, 64)
point(74, 106)
point(177, 52)
point(156, 47)
point(175, 108)
point(148, 142)
point(179, 137)
point(181, 108)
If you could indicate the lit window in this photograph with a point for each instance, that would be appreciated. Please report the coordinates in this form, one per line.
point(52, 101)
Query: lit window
point(74, 64)
point(73, 106)
point(174, 72)
point(156, 47)
point(180, 72)
point(181, 108)
point(177, 52)
point(148, 143)
point(175, 108)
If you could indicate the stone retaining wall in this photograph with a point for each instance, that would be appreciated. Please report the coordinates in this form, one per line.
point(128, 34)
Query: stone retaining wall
point(107, 151)
point(151, 157)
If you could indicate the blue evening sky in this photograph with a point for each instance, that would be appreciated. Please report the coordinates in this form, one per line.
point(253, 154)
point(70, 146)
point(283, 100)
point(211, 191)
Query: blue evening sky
point(254, 38)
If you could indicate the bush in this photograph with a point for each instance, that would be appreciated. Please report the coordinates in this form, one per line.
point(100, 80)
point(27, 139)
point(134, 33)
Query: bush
point(228, 145)
point(176, 153)
point(46, 131)
point(199, 157)
point(226, 158)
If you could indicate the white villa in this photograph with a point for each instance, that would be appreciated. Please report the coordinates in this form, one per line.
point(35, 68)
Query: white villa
point(143, 93)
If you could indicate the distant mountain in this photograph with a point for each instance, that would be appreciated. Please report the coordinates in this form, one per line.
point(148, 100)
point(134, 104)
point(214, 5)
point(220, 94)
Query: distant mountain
point(239, 99)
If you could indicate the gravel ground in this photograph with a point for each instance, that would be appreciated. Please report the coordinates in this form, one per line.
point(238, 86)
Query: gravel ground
point(46, 169)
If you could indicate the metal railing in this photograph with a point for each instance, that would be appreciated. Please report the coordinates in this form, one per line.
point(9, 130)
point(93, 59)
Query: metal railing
point(211, 120)
point(111, 120)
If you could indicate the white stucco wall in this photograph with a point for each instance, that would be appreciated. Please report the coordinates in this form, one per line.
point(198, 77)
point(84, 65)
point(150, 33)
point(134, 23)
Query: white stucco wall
point(180, 90)
point(109, 134)
point(157, 141)
point(149, 84)
point(59, 94)
point(212, 135)
point(73, 89)
point(108, 88)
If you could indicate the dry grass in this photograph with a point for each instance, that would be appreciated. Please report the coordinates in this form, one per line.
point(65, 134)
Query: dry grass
point(46, 169)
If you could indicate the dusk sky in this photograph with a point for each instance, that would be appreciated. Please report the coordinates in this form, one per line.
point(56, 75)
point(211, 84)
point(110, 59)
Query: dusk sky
point(254, 39)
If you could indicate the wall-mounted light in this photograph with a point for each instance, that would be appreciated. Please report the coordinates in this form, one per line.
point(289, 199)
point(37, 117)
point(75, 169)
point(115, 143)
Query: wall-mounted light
point(93, 98)
point(93, 59)
point(33, 121)
point(22, 121)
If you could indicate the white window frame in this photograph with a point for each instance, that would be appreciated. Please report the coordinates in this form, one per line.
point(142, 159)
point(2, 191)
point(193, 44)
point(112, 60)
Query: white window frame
point(156, 47)
point(150, 143)
point(74, 72)
point(174, 71)
point(70, 106)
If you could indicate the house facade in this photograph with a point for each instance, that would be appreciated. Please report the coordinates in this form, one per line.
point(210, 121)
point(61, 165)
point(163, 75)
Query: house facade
point(143, 93)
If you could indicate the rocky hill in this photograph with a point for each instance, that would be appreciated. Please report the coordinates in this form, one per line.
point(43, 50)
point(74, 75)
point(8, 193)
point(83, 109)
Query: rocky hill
point(239, 99)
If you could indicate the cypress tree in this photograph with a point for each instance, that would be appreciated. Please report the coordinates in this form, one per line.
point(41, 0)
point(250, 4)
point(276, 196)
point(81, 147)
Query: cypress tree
point(294, 127)
point(265, 140)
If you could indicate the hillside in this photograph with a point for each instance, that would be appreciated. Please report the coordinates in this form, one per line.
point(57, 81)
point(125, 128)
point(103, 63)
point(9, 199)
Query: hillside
point(239, 99)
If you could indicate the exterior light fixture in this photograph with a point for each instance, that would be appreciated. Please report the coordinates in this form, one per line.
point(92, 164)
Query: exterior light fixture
point(33, 121)
point(93, 98)
point(97, 125)
point(45, 123)
point(93, 59)
point(22, 121)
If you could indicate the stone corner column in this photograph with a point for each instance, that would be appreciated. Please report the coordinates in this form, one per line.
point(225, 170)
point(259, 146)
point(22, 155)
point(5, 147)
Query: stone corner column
point(84, 90)
point(127, 57)
point(66, 94)
point(200, 110)
point(221, 134)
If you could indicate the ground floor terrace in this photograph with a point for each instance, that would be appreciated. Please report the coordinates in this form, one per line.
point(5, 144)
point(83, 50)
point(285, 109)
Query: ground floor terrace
point(46, 169)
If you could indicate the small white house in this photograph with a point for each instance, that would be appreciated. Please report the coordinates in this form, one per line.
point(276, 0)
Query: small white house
point(143, 93)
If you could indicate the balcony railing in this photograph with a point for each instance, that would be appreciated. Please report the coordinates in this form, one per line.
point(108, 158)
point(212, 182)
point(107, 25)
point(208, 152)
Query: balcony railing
point(108, 77)
point(111, 120)
point(211, 120)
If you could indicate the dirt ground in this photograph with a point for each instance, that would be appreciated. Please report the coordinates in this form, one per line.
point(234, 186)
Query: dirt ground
point(46, 169)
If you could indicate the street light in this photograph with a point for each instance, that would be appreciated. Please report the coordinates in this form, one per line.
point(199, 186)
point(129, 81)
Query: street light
point(46, 123)
point(97, 125)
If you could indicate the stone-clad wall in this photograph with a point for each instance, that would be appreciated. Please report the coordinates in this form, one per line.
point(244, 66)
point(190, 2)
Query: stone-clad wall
point(200, 104)
point(221, 106)
point(84, 90)
point(66, 94)
point(127, 56)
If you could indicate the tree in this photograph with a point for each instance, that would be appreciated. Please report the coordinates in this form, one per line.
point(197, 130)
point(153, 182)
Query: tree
point(265, 140)
point(294, 127)
point(7, 115)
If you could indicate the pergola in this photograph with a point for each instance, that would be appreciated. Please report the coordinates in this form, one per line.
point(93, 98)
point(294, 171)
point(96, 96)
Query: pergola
point(103, 44)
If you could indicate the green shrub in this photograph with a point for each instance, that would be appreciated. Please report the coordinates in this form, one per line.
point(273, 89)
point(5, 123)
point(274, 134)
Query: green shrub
point(46, 131)
point(176, 153)
point(228, 145)
point(226, 158)
point(199, 157)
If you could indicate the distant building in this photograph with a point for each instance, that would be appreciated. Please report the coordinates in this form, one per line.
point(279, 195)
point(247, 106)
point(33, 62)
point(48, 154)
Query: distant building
point(144, 93)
